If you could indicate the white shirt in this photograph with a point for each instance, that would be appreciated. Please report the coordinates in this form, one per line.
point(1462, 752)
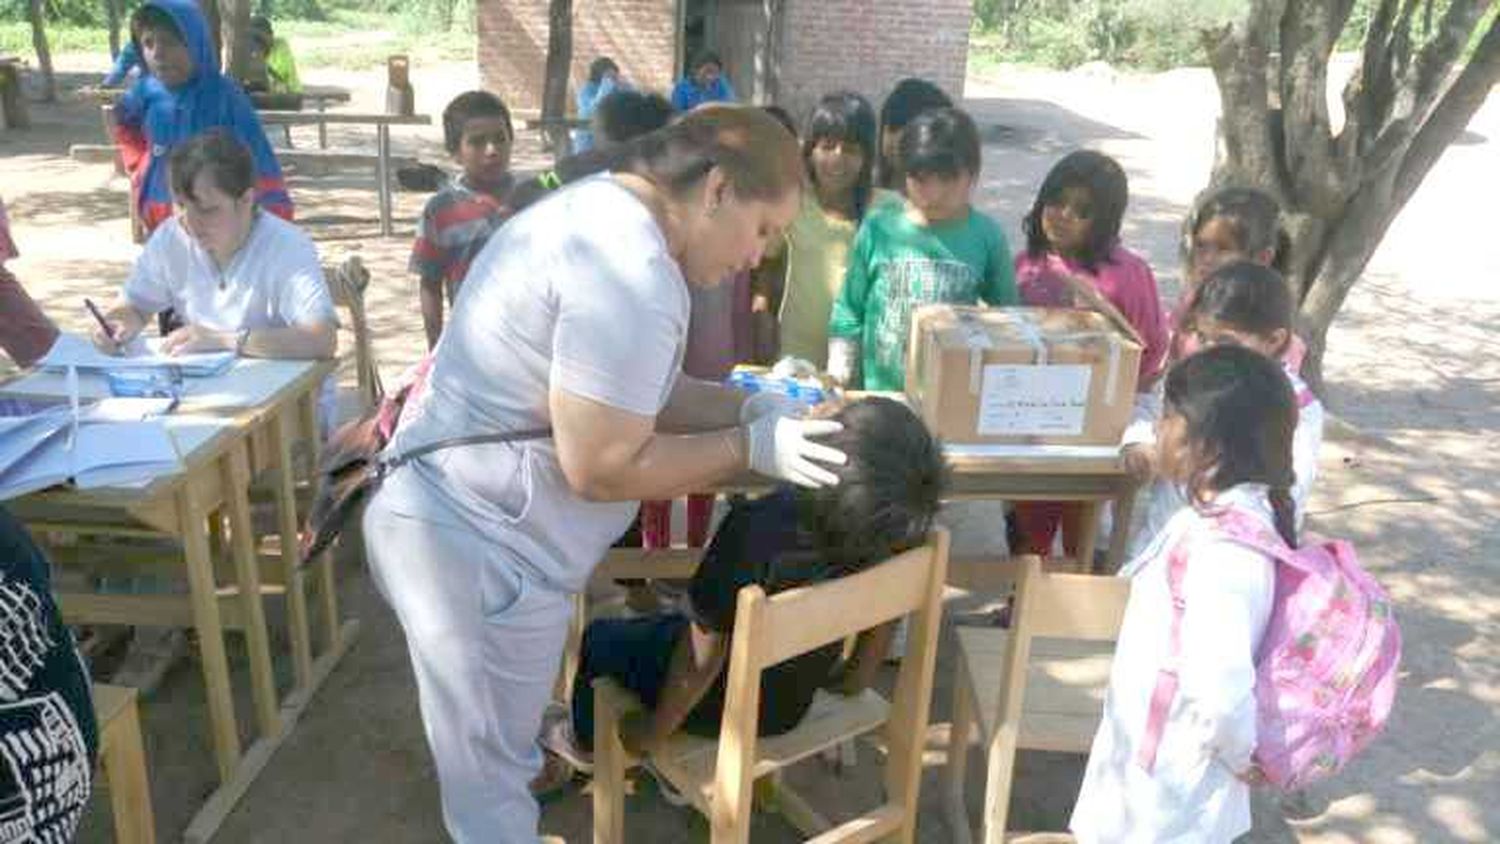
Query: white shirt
point(1165, 498)
point(1192, 795)
point(273, 281)
point(579, 293)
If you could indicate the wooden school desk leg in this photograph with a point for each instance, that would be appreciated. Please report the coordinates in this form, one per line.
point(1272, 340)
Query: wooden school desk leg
point(282, 434)
point(958, 758)
point(1088, 533)
point(206, 621)
point(383, 176)
point(123, 755)
point(323, 565)
point(1119, 535)
point(236, 474)
point(322, 124)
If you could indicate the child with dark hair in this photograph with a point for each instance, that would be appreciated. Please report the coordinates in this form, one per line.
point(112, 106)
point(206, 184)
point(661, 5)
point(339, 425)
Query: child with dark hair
point(273, 68)
point(1232, 224)
point(604, 80)
point(839, 149)
point(934, 248)
point(626, 114)
point(907, 100)
point(705, 83)
point(1226, 441)
point(458, 220)
point(1073, 239)
point(885, 503)
point(183, 95)
point(1242, 304)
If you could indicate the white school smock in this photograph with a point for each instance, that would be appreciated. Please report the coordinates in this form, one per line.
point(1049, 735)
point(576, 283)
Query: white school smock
point(273, 281)
point(1192, 796)
point(578, 292)
point(1165, 498)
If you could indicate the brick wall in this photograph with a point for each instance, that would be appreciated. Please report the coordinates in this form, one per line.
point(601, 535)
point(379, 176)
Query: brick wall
point(868, 45)
point(512, 50)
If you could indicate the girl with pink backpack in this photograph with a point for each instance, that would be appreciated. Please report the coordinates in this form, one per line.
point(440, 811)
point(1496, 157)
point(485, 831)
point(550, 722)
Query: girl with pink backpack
point(1243, 657)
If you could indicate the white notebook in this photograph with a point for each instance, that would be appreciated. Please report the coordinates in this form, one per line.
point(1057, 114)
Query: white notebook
point(72, 350)
point(100, 454)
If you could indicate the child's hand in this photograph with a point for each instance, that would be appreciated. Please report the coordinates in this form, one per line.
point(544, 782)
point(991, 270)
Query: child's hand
point(196, 338)
point(1140, 462)
point(126, 324)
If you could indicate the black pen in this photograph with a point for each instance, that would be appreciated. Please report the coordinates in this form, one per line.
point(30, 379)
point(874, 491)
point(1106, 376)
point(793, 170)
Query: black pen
point(93, 309)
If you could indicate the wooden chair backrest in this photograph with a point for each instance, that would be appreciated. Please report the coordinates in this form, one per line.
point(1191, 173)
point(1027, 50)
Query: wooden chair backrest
point(346, 283)
point(1055, 606)
point(770, 630)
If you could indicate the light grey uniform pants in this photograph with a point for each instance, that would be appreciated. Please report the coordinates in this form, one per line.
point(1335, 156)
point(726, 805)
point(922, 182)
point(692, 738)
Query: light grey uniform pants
point(485, 645)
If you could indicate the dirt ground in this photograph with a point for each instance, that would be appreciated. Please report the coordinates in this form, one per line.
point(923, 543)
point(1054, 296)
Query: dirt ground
point(1408, 473)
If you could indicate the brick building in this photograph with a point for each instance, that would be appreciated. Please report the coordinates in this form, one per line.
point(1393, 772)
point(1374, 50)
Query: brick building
point(784, 51)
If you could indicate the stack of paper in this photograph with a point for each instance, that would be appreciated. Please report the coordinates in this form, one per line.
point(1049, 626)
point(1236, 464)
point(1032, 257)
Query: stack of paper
point(71, 350)
point(55, 444)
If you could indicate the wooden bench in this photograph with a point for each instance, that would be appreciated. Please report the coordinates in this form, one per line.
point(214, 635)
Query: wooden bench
point(123, 756)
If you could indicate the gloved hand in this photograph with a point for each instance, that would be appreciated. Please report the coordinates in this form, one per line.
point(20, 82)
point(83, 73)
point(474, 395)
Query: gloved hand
point(780, 448)
point(769, 404)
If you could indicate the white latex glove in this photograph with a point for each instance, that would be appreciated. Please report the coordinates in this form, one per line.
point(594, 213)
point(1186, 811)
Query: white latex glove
point(780, 448)
point(843, 359)
point(769, 404)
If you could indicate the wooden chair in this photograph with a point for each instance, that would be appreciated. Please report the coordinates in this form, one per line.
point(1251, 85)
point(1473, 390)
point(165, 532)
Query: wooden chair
point(1039, 685)
point(347, 282)
point(719, 777)
point(123, 756)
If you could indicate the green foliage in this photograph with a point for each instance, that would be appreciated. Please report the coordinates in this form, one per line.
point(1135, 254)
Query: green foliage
point(1152, 34)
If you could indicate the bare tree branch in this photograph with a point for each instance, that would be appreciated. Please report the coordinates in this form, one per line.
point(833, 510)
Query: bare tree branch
point(1452, 114)
point(1238, 55)
point(1308, 31)
point(1368, 88)
point(1435, 61)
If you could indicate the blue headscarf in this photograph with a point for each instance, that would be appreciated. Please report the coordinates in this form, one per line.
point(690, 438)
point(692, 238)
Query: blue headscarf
point(208, 100)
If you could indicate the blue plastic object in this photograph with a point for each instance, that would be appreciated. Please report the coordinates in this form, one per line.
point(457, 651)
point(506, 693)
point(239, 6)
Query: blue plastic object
point(805, 393)
point(152, 383)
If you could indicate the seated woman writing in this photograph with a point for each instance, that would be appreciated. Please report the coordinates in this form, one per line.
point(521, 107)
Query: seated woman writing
point(887, 496)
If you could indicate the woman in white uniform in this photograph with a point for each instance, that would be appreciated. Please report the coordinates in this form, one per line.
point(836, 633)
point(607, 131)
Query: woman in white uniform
point(572, 322)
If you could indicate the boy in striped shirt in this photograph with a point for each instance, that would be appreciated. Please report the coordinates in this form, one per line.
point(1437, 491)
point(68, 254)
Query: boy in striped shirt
point(459, 220)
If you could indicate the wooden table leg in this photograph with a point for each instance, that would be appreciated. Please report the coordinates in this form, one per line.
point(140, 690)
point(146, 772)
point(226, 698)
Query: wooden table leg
point(322, 126)
point(383, 176)
point(323, 565)
point(226, 738)
point(1119, 535)
point(282, 431)
point(1088, 533)
point(236, 474)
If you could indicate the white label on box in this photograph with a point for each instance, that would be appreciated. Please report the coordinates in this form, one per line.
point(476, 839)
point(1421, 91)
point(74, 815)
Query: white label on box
point(1026, 400)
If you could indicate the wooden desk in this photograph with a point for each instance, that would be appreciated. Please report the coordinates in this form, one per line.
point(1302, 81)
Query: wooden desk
point(227, 430)
point(318, 96)
point(382, 124)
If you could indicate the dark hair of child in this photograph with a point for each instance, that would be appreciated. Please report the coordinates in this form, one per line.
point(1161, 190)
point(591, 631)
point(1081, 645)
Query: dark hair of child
point(782, 116)
point(849, 118)
point(154, 19)
point(1245, 296)
point(909, 98)
point(218, 154)
point(468, 106)
point(1253, 215)
point(888, 493)
point(1240, 417)
point(627, 114)
point(706, 57)
point(600, 66)
point(1108, 191)
point(940, 142)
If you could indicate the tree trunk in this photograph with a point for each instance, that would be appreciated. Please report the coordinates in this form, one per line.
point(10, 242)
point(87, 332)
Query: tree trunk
point(237, 38)
point(210, 10)
point(555, 83)
point(112, 13)
point(43, 52)
point(1410, 98)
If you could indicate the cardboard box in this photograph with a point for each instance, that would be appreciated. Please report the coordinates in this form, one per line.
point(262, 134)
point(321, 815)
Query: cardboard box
point(1021, 376)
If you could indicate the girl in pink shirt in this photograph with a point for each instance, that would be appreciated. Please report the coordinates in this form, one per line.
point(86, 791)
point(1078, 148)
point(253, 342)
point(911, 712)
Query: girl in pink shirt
point(1073, 230)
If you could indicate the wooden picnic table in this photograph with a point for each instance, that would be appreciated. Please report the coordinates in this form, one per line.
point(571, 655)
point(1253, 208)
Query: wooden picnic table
point(228, 430)
point(382, 124)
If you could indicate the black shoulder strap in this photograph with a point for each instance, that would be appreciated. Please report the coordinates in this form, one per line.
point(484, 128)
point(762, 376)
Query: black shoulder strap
point(472, 439)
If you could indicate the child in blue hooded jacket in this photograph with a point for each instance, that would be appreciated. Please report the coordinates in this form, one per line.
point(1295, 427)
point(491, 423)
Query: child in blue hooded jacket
point(184, 94)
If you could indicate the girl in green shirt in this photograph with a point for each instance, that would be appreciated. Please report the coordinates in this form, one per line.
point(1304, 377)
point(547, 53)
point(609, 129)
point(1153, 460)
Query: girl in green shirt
point(933, 248)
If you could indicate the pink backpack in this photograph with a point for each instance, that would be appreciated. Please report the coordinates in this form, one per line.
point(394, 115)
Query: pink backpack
point(1325, 676)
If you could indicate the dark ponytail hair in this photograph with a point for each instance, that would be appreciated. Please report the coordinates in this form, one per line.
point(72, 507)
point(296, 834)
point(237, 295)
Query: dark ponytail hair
point(1244, 296)
point(1253, 215)
point(1240, 417)
point(757, 155)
